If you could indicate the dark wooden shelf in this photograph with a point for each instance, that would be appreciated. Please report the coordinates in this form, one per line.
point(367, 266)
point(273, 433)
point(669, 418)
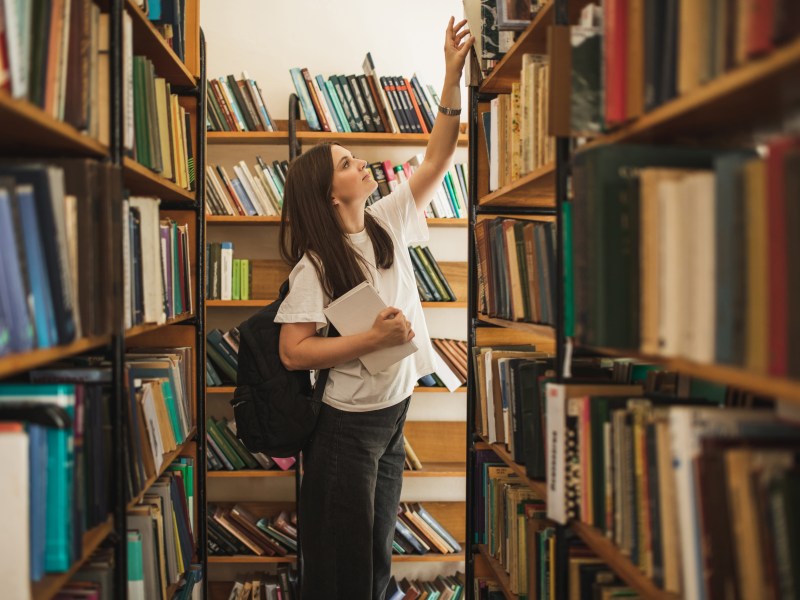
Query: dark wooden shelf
point(167, 459)
point(260, 138)
point(13, 364)
point(737, 377)
point(540, 487)
point(249, 474)
point(619, 563)
point(148, 41)
point(138, 330)
point(226, 389)
point(51, 584)
point(547, 332)
point(251, 560)
point(28, 128)
point(498, 571)
point(734, 101)
point(255, 221)
point(537, 189)
point(142, 181)
point(271, 138)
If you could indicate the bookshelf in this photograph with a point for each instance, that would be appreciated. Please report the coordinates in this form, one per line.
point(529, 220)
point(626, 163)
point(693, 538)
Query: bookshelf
point(32, 132)
point(743, 106)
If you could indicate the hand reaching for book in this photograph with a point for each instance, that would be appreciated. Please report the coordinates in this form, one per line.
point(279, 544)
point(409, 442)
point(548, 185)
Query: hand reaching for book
point(457, 42)
point(391, 328)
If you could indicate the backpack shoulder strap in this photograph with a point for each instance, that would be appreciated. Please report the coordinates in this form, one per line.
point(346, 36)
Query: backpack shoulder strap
point(322, 379)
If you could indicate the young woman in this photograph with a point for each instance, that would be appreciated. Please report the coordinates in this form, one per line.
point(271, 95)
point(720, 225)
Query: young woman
point(354, 463)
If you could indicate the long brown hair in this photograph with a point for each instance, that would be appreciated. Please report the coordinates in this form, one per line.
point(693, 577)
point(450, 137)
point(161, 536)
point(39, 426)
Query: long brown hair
point(310, 224)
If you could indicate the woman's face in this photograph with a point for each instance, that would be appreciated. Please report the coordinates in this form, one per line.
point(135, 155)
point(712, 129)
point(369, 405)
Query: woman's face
point(352, 178)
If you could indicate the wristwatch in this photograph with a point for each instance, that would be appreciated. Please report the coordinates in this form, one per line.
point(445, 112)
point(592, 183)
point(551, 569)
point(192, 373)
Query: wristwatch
point(450, 112)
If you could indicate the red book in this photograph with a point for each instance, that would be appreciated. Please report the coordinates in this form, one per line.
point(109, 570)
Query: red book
point(778, 331)
point(615, 24)
point(762, 18)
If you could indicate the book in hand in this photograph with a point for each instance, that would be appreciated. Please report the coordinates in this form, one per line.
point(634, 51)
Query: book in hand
point(355, 312)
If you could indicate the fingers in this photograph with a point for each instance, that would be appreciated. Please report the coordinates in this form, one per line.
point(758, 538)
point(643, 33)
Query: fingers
point(389, 312)
point(411, 335)
point(460, 35)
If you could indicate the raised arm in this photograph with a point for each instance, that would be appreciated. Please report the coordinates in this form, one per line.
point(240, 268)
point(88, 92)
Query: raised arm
point(442, 144)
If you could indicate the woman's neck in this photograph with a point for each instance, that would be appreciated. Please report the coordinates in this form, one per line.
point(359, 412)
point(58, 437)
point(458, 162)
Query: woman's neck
point(352, 217)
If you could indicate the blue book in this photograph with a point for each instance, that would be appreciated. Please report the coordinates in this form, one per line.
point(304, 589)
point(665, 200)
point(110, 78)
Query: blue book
point(37, 436)
point(154, 10)
point(248, 203)
point(135, 565)
point(13, 290)
point(41, 296)
point(60, 466)
point(326, 97)
point(305, 100)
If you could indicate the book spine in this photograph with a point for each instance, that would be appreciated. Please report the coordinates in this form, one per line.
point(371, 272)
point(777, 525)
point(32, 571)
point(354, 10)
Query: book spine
point(346, 108)
point(366, 116)
point(315, 100)
point(305, 99)
point(370, 103)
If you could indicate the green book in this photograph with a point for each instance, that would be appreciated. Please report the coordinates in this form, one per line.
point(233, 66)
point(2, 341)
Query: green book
point(135, 565)
point(451, 193)
point(522, 265)
point(244, 279)
point(435, 266)
point(222, 443)
point(236, 444)
point(569, 290)
point(236, 285)
point(337, 106)
point(172, 410)
point(419, 269)
point(152, 118)
point(139, 112)
point(220, 362)
point(432, 274)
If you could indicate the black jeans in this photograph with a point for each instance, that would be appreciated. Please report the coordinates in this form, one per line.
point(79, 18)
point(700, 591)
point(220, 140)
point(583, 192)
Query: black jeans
point(353, 473)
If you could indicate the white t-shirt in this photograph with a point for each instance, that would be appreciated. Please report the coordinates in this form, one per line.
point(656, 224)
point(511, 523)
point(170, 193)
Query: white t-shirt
point(350, 386)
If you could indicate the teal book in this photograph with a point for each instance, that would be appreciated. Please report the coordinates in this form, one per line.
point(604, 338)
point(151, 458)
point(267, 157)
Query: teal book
point(60, 468)
point(168, 390)
point(135, 565)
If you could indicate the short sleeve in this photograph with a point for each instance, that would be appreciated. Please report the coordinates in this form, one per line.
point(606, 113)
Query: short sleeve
point(306, 298)
point(399, 211)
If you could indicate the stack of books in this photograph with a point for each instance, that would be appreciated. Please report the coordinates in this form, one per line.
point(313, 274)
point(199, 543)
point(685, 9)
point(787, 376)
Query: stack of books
point(246, 194)
point(222, 351)
point(417, 532)
point(234, 530)
point(268, 586)
point(431, 282)
point(226, 452)
point(365, 102)
point(237, 105)
point(444, 587)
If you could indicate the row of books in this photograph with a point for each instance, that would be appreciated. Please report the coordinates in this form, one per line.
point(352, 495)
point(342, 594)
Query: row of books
point(633, 57)
point(56, 470)
point(237, 105)
point(697, 497)
point(258, 586)
point(159, 398)
point(94, 580)
point(162, 127)
point(226, 452)
point(432, 285)
point(450, 199)
point(517, 269)
point(516, 126)
point(365, 103)
point(232, 278)
point(688, 252)
point(160, 534)
point(56, 57)
point(450, 365)
point(156, 264)
point(56, 270)
point(169, 19)
point(418, 532)
point(246, 194)
point(236, 530)
point(444, 587)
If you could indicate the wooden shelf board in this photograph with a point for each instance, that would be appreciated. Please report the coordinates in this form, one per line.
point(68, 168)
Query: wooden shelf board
point(237, 303)
point(226, 389)
point(540, 487)
point(619, 563)
point(373, 139)
point(261, 138)
point(24, 361)
point(148, 327)
point(760, 383)
point(168, 458)
point(433, 469)
point(248, 474)
point(498, 571)
point(50, 585)
point(142, 181)
point(457, 304)
point(26, 127)
point(532, 40)
point(732, 101)
point(149, 42)
point(535, 190)
point(431, 557)
point(251, 560)
point(545, 331)
point(254, 221)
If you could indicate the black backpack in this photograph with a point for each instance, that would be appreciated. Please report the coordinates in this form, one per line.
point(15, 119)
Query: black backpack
point(275, 409)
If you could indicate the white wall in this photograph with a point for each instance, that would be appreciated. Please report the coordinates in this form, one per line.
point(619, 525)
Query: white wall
point(266, 38)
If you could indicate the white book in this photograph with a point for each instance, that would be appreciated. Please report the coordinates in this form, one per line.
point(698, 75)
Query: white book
point(324, 105)
point(127, 80)
point(126, 265)
point(494, 146)
point(15, 502)
point(226, 270)
point(153, 280)
point(258, 189)
point(492, 426)
point(354, 313)
point(703, 287)
point(244, 178)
